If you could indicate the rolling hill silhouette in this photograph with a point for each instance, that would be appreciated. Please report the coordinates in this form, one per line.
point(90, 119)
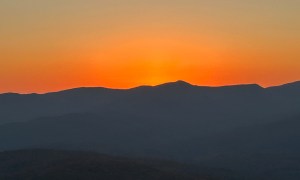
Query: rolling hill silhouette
point(69, 165)
point(186, 97)
point(222, 127)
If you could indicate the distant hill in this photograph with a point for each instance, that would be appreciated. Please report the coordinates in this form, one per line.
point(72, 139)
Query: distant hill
point(167, 100)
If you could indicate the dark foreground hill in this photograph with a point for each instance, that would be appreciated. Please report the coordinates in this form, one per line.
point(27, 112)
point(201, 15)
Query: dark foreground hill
point(69, 165)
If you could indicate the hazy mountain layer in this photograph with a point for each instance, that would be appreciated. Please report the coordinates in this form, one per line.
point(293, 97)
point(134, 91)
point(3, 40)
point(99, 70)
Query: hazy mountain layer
point(245, 128)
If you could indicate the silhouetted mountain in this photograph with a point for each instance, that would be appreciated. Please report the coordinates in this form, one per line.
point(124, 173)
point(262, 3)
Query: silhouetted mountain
point(176, 85)
point(214, 126)
point(288, 90)
point(146, 100)
point(290, 86)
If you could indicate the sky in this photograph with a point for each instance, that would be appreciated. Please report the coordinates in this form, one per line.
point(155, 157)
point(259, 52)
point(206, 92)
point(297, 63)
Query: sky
point(60, 44)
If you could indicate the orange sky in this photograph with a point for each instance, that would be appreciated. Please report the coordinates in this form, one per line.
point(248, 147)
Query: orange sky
point(49, 46)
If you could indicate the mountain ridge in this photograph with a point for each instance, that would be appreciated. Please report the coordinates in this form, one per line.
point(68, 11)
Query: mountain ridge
point(177, 121)
point(178, 83)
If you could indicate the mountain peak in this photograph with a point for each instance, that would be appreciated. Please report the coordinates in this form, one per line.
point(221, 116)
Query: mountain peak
point(176, 84)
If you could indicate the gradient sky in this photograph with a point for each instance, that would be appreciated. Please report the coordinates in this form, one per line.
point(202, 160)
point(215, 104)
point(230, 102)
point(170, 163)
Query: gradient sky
point(48, 45)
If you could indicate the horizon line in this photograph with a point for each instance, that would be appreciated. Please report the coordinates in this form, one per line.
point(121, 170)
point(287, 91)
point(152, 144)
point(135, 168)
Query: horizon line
point(157, 85)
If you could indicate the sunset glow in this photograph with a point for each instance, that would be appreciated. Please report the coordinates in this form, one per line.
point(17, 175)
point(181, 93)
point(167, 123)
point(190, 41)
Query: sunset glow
point(54, 45)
